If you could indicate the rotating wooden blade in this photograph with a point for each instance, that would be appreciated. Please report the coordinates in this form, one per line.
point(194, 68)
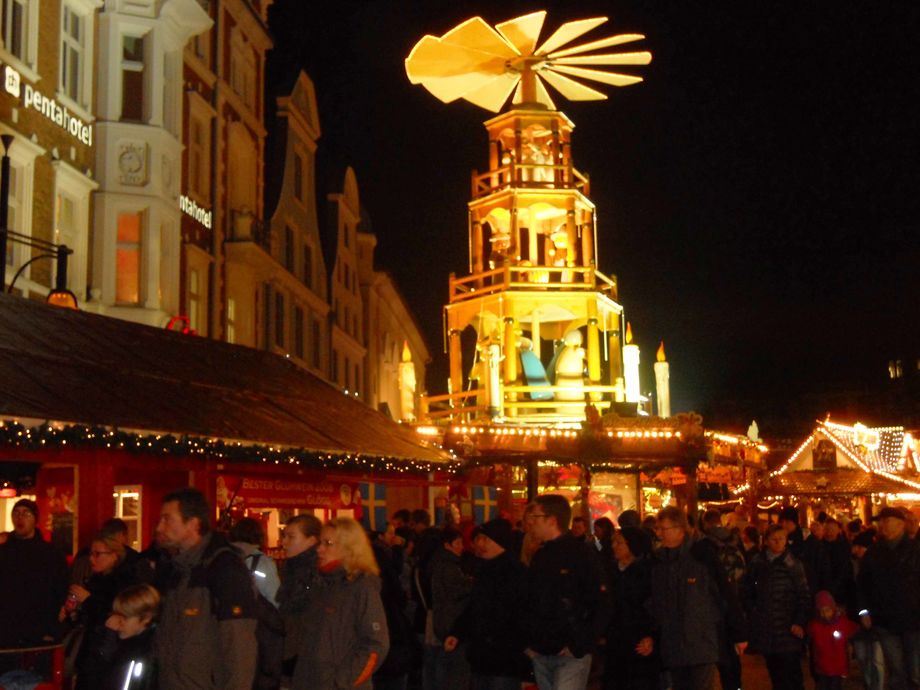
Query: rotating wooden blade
point(611, 78)
point(571, 89)
point(597, 45)
point(568, 32)
point(642, 58)
point(523, 32)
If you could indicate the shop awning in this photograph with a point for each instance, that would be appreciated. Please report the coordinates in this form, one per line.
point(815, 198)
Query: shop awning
point(74, 367)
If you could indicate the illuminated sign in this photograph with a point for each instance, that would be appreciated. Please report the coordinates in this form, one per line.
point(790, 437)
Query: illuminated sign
point(50, 108)
point(189, 207)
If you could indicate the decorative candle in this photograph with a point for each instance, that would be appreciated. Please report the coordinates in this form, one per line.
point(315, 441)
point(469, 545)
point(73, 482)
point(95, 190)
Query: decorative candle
point(631, 367)
point(662, 376)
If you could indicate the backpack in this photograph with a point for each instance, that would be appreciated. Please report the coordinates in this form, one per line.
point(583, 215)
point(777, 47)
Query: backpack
point(269, 638)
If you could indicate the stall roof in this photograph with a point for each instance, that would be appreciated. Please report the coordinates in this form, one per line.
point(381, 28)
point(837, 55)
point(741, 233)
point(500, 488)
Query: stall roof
point(849, 459)
point(70, 366)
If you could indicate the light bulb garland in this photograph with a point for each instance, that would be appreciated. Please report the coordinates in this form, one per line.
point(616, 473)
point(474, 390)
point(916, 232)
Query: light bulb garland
point(17, 435)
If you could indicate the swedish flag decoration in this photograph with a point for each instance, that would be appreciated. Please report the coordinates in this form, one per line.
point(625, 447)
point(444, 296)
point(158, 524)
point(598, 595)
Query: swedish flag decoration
point(485, 503)
point(374, 505)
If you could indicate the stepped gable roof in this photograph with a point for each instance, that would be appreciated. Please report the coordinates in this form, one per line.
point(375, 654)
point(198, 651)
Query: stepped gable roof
point(70, 366)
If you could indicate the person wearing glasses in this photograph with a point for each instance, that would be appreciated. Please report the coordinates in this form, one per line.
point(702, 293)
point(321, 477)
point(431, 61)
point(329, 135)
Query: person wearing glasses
point(693, 605)
point(567, 606)
point(345, 627)
point(89, 606)
point(33, 582)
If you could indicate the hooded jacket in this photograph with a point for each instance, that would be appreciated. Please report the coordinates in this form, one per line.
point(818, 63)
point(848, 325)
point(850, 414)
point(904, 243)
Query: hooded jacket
point(345, 636)
point(776, 596)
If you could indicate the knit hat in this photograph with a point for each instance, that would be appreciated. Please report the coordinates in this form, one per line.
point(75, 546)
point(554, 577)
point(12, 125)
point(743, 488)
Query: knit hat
point(825, 599)
point(789, 513)
point(638, 541)
point(498, 530)
point(31, 506)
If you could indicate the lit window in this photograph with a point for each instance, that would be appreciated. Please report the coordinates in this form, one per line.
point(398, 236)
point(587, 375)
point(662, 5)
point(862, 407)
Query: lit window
point(231, 320)
point(132, 78)
point(128, 259)
point(128, 507)
point(13, 221)
point(194, 299)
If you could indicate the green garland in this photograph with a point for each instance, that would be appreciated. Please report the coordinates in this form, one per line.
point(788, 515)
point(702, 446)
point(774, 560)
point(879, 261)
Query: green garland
point(16, 435)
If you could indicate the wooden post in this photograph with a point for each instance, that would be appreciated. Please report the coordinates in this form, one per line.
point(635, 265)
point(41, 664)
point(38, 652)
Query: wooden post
point(456, 362)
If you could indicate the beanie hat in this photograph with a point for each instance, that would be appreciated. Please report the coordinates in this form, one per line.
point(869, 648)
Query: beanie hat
point(789, 513)
point(638, 541)
point(31, 506)
point(825, 599)
point(498, 530)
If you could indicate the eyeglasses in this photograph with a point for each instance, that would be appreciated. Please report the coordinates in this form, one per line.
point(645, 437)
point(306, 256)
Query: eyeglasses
point(96, 554)
point(326, 542)
point(22, 512)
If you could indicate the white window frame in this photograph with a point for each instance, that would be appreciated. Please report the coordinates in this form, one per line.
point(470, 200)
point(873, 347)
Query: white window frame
point(85, 10)
point(73, 184)
point(142, 66)
point(27, 64)
point(23, 153)
point(119, 493)
point(200, 111)
point(142, 249)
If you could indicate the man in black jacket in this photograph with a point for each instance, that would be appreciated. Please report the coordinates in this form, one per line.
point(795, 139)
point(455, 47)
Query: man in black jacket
point(889, 591)
point(33, 582)
point(490, 624)
point(567, 602)
point(693, 605)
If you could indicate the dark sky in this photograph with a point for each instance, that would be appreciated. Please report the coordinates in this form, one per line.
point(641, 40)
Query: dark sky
point(757, 194)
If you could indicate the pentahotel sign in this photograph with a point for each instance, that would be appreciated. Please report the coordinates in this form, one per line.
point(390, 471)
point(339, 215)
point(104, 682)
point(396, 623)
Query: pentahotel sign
point(50, 108)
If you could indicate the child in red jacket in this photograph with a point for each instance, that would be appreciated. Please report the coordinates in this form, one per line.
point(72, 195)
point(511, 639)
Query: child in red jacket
point(830, 634)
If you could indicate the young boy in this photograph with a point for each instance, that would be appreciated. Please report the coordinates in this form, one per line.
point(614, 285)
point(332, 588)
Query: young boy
point(133, 613)
point(830, 635)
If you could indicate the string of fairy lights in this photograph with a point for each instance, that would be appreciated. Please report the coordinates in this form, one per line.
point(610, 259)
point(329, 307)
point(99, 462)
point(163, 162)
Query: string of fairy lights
point(14, 434)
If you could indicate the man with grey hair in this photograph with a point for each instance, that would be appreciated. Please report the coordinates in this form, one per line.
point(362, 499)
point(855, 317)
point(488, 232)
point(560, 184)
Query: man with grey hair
point(695, 608)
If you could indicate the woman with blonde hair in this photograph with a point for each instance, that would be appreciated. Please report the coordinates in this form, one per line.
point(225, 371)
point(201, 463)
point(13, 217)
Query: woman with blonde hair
point(345, 629)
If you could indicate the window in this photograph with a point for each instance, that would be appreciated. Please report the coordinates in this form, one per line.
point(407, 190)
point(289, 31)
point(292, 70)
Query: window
point(14, 222)
point(72, 44)
point(316, 345)
point(346, 236)
point(279, 319)
point(128, 259)
point(231, 320)
point(308, 266)
point(171, 108)
point(18, 18)
point(289, 249)
point(196, 156)
point(194, 299)
point(201, 46)
point(132, 78)
point(298, 177)
point(298, 332)
point(128, 508)
point(65, 228)
point(267, 320)
point(243, 68)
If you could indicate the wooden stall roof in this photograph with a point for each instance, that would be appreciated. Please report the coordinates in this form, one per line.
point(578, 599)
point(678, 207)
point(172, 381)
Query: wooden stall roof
point(844, 482)
point(70, 366)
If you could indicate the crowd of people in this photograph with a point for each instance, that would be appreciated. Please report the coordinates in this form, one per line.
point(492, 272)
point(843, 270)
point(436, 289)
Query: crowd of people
point(669, 602)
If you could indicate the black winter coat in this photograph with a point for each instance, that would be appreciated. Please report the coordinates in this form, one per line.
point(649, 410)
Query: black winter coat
point(33, 584)
point(567, 600)
point(694, 607)
point(776, 597)
point(491, 622)
point(122, 669)
point(889, 585)
point(298, 579)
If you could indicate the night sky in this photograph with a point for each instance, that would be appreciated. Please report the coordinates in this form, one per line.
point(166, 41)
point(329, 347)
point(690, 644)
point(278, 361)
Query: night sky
point(757, 194)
